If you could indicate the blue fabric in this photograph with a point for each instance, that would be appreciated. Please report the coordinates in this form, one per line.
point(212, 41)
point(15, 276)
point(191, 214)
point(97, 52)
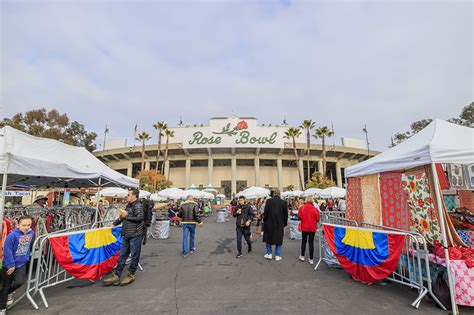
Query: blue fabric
point(464, 236)
point(189, 231)
point(365, 257)
point(92, 256)
point(450, 202)
point(268, 249)
point(17, 247)
point(130, 246)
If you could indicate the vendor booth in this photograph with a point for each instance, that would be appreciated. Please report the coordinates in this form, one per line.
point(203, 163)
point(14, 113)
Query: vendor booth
point(402, 189)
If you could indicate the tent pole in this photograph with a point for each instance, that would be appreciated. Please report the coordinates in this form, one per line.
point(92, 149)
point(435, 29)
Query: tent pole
point(2, 199)
point(97, 203)
point(445, 240)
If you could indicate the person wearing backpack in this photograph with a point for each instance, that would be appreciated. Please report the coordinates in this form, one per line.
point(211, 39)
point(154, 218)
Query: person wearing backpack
point(133, 228)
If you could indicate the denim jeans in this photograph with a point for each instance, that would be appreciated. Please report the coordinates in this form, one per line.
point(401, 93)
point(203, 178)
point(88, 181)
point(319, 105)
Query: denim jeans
point(130, 246)
point(269, 249)
point(188, 229)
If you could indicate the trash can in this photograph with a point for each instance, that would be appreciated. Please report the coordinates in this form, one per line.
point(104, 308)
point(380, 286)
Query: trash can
point(221, 215)
point(295, 233)
point(161, 228)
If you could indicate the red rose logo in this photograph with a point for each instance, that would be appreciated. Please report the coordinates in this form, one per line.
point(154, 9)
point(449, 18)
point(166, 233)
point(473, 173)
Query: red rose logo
point(242, 125)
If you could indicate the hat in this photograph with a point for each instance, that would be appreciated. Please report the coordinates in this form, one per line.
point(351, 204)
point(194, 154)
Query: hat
point(39, 197)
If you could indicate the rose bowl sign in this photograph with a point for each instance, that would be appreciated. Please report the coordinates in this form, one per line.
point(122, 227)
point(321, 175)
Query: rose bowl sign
point(231, 132)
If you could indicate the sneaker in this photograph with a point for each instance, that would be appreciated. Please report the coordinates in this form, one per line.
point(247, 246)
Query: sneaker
point(114, 279)
point(10, 299)
point(301, 258)
point(239, 255)
point(192, 251)
point(268, 256)
point(185, 255)
point(3, 312)
point(129, 278)
point(311, 262)
point(277, 258)
point(250, 249)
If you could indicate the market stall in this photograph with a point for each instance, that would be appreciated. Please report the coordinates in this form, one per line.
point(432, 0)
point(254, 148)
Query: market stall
point(401, 188)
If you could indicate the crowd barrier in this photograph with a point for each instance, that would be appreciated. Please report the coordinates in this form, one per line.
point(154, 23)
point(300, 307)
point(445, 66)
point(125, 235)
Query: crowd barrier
point(413, 269)
point(44, 270)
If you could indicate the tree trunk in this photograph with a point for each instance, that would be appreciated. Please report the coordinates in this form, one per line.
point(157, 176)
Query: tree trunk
point(298, 164)
point(308, 145)
point(158, 152)
point(324, 157)
point(166, 156)
point(143, 156)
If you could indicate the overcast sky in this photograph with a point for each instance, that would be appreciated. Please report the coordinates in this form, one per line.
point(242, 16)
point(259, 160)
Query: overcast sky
point(384, 63)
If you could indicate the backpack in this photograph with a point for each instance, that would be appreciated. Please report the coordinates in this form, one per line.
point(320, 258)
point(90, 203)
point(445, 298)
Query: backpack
point(148, 206)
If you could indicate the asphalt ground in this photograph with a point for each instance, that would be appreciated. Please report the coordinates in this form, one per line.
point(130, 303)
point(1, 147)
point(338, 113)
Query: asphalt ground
point(213, 281)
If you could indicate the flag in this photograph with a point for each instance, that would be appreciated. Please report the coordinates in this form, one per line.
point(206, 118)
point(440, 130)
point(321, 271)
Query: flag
point(135, 130)
point(367, 255)
point(88, 254)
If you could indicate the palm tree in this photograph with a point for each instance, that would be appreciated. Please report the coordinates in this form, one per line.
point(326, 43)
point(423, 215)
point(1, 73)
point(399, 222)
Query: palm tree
point(322, 133)
point(293, 133)
point(169, 134)
point(159, 126)
point(143, 137)
point(308, 125)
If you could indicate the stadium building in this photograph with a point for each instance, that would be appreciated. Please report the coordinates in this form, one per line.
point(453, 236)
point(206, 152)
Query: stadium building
point(233, 153)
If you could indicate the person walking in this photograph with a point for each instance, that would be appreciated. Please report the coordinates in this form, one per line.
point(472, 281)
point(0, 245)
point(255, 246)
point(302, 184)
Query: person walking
point(275, 218)
point(244, 214)
point(133, 230)
point(309, 216)
point(189, 215)
point(17, 251)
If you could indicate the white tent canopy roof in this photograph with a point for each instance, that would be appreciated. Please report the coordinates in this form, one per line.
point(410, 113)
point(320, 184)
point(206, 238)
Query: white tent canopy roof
point(333, 192)
point(48, 162)
point(172, 193)
point(439, 142)
point(116, 192)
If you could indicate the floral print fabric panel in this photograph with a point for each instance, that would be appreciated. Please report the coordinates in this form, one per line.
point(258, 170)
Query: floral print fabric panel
point(370, 199)
point(394, 202)
point(354, 199)
point(469, 172)
point(423, 216)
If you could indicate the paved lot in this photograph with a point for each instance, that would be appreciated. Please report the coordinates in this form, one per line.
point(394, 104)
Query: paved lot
point(213, 281)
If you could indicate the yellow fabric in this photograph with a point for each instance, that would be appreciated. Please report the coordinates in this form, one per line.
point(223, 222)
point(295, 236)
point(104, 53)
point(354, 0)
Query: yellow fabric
point(371, 199)
point(359, 239)
point(99, 238)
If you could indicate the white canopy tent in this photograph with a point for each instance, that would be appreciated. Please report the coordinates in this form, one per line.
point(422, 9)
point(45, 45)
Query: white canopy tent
point(172, 193)
point(156, 197)
point(312, 192)
point(292, 194)
point(197, 194)
point(29, 160)
point(254, 193)
point(115, 192)
point(439, 142)
point(333, 192)
point(26, 159)
point(144, 193)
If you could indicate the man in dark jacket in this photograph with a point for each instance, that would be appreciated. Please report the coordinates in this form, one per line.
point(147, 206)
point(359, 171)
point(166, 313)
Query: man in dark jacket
point(244, 214)
point(188, 213)
point(133, 229)
point(275, 218)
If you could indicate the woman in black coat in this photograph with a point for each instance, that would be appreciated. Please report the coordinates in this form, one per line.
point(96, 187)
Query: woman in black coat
point(275, 218)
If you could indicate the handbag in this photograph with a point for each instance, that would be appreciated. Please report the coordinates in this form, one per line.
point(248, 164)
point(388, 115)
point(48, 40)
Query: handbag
point(440, 286)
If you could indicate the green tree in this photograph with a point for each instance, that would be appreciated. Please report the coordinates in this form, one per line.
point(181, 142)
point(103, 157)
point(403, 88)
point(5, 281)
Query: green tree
point(54, 125)
point(308, 125)
point(466, 118)
point(169, 134)
point(159, 126)
point(293, 133)
point(143, 137)
point(318, 181)
point(323, 133)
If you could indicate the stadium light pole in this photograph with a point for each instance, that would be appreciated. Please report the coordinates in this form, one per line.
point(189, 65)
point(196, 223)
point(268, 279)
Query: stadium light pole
point(366, 139)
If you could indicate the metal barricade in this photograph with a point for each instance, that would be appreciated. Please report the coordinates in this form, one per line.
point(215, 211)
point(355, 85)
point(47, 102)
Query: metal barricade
point(413, 269)
point(329, 218)
point(337, 214)
point(44, 270)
